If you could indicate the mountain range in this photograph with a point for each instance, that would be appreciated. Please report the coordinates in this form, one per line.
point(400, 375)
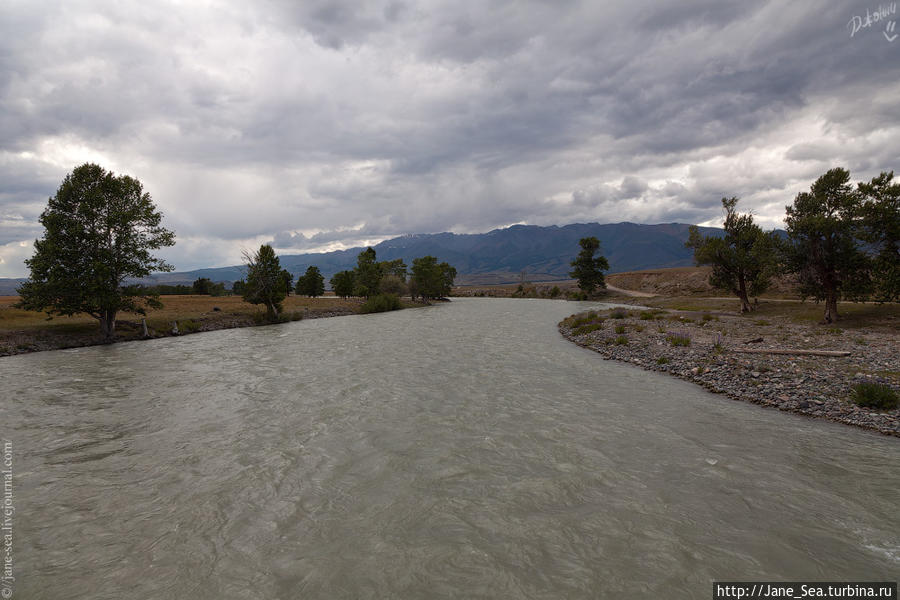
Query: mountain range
point(498, 256)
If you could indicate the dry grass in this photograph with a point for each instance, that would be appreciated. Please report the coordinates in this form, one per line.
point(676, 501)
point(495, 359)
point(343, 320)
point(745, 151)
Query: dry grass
point(687, 281)
point(175, 308)
point(27, 331)
point(853, 315)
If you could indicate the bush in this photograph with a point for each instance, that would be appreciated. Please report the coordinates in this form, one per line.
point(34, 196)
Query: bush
point(392, 284)
point(618, 314)
point(189, 326)
point(621, 341)
point(875, 395)
point(381, 303)
point(620, 329)
point(587, 328)
point(677, 338)
point(663, 360)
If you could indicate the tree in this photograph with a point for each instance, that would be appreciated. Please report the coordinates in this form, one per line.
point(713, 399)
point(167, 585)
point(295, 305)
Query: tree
point(265, 280)
point(392, 284)
point(312, 283)
point(100, 229)
point(880, 227)
point(431, 279)
point(587, 269)
point(202, 286)
point(238, 287)
point(343, 284)
point(394, 267)
point(824, 251)
point(368, 273)
point(744, 261)
point(287, 280)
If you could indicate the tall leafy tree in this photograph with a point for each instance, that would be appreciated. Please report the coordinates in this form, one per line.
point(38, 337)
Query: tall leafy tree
point(431, 279)
point(880, 227)
point(202, 286)
point(343, 284)
point(368, 273)
point(265, 282)
point(287, 280)
point(824, 248)
point(311, 283)
point(100, 230)
point(394, 267)
point(743, 261)
point(587, 268)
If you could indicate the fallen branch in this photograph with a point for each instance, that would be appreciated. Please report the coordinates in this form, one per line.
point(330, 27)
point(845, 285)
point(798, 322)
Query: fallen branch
point(788, 351)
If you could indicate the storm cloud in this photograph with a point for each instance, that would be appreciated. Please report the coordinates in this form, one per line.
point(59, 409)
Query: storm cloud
point(321, 125)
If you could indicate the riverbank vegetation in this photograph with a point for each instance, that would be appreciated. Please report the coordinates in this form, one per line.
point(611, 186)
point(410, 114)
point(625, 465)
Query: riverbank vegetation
point(99, 230)
point(842, 242)
point(266, 285)
point(29, 331)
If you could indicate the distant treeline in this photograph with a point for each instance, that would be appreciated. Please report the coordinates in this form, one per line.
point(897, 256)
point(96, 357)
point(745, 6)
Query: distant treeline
point(201, 286)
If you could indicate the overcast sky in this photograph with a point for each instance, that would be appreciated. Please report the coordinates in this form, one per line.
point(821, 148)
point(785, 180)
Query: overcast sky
point(335, 123)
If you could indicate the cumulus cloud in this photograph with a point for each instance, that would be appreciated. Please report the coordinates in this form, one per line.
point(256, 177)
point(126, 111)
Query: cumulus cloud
point(327, 124)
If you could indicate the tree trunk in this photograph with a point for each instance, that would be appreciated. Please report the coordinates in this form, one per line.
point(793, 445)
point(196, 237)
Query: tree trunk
point(271, 311)
point(831, 312)
point(742, 295)
point(108, 324)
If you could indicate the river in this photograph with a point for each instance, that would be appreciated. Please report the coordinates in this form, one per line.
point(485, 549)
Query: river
point(464, 450)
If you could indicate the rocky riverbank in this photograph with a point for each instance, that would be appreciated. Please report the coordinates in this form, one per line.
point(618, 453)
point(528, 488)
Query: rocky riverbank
point(730, 354)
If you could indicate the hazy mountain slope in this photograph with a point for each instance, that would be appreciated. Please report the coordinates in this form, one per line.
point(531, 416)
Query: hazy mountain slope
point(544, 253)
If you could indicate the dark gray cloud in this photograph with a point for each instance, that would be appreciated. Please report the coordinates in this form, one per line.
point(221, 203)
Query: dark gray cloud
point(323, 124)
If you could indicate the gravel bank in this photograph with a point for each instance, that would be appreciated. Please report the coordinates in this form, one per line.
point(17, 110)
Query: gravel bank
point(816, 386)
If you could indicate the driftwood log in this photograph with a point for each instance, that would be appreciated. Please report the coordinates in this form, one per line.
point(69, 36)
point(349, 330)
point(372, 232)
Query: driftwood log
point(789, 351)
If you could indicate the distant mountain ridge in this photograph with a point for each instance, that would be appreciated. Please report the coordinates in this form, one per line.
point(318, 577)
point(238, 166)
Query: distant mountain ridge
point(498, 256)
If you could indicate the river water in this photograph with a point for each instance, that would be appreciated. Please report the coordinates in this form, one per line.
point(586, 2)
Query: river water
point(459, 451)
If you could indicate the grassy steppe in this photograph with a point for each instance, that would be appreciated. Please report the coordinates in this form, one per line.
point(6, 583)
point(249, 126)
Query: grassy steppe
point(26, 331)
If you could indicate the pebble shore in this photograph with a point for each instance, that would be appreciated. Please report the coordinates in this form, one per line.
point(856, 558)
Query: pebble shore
point(815, 386)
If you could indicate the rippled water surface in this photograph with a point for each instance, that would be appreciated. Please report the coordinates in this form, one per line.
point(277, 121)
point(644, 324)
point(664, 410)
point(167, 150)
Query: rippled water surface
point(462, 450)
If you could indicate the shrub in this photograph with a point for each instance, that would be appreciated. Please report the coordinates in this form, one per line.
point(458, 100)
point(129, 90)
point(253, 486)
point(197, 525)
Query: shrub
point(555, 291)
point(875, 395)
point(621, 341)
point(620, 329)
point(618, 314)
point(587, 328)
point(381, 303)
point(663, 360)
point(708, 317)
point(679, 338)
point(578, 320)
point(638, 328)
point(189, 326)
point(646, 315)
point(392, 284)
